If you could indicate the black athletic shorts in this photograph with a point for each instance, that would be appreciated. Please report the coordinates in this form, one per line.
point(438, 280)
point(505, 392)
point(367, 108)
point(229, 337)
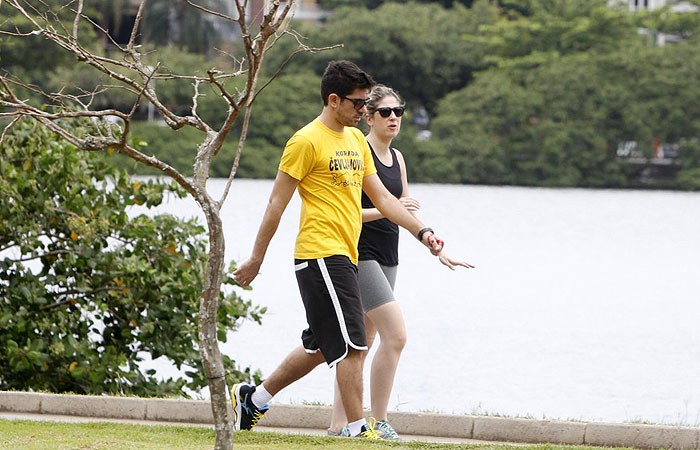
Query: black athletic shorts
point(331, 296)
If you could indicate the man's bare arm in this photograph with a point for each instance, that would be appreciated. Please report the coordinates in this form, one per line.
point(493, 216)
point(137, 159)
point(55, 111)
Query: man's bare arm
point(282, 192)
point(391, 208)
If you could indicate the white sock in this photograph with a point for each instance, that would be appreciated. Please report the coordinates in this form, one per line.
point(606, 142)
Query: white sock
point(261, 397)
point(356, 426)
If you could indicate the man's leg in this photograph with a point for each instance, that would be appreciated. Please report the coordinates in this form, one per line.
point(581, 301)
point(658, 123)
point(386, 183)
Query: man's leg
point(338, 419)
point(250, 402)
point(295, 366)
point(349, 378)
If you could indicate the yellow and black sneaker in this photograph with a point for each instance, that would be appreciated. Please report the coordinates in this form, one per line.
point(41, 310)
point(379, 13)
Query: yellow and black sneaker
point(367, 431)
point(245, 414)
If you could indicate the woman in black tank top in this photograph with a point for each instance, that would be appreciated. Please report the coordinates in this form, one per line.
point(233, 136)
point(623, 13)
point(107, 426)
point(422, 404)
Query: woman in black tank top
point(378, 260)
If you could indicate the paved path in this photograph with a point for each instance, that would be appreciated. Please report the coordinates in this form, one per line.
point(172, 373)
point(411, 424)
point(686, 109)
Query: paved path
point(289, 430)
point(314, 420)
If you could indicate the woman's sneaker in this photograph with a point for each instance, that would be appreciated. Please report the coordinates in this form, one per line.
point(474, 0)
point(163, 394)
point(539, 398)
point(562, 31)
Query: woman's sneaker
point(245, 414)
point(345, 432)
point(386, 431)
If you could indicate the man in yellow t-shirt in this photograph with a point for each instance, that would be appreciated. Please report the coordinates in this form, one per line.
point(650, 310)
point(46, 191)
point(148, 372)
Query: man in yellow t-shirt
point(330, 167)
point(330, 164)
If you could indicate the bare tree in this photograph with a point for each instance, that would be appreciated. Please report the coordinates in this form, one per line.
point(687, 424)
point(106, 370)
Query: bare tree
point(130, 71)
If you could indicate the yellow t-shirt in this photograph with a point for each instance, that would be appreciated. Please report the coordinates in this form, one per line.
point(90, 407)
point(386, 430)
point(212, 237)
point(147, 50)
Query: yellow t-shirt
point(330, 167)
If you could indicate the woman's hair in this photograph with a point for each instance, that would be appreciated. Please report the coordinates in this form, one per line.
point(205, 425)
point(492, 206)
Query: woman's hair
point(378, 92)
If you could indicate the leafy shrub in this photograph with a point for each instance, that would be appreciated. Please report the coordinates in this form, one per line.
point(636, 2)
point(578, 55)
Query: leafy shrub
point(85, 288)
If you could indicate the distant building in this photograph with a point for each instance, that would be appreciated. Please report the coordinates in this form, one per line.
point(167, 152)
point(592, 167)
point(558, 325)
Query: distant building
point(304, 10)
point(677, 6)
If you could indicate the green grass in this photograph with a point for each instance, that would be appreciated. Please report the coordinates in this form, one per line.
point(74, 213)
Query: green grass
point(35, 435)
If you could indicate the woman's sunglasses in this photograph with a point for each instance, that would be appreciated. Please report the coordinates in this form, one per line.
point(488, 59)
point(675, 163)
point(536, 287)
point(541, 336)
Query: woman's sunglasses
point(386, 111)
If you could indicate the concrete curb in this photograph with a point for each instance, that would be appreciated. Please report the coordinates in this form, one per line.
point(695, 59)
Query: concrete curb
point(318, 417)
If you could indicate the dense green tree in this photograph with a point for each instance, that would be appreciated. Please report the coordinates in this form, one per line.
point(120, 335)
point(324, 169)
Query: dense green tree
point(681, 25)
point(561, 123)
point(26, 59)
point(475, 122)
point(371, 4)
point(413, 47)
point(529, 91)
point(541, 30)
point(689, 175)
point(88, 284)
point(110, 129)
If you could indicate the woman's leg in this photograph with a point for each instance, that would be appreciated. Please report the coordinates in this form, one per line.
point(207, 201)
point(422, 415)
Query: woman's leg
point(387, 319)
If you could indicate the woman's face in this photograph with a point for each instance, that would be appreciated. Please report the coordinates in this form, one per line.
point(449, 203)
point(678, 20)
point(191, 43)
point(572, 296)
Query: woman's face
point(386, 127)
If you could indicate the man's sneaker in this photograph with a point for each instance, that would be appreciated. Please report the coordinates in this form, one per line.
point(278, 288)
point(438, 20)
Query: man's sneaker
point(245, 414)
point(367, 431)
point(345, 432)
point(386, 431)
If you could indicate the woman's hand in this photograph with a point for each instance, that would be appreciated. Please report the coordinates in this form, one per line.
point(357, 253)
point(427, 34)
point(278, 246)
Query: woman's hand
point(452, 263)
point(410, 203)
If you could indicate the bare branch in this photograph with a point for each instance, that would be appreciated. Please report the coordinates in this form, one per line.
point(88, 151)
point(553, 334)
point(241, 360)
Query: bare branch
point(213, 13)
point(22, 108)
point(76, 20)
point(160, 165)
point(272, 21)
point(135, 28)
point(98, 62)
point(20, 34)
point(104, 31)
point(303, 49)
point(146, 84)
point(34, 256)
point(91, 143)
point(224, 93)
point(8, 246)
point(237, 158)
point(6, 130)
point(195, 105)
point(82, 293)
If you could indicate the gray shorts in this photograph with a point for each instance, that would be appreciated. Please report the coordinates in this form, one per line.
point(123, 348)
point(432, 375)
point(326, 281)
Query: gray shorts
point(376, 283)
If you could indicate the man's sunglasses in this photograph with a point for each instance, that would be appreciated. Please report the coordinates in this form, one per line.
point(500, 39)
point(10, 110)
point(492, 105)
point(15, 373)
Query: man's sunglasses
point(386, 111)
point(358, 103)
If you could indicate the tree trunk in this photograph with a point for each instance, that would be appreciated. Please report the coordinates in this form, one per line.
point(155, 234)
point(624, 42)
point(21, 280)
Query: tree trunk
point(208, 341)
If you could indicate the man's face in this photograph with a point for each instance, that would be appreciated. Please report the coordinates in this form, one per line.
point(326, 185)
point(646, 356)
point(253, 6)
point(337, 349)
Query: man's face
point(350, 109)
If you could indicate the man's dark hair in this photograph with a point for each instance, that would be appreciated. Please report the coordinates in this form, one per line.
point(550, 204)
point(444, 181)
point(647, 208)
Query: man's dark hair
point(343, 77)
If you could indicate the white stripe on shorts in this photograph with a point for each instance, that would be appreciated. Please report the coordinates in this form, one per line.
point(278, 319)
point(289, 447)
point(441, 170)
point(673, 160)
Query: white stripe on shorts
point(338, 309)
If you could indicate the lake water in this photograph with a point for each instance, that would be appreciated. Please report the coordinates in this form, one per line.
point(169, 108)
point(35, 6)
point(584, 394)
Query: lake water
point(584, 303)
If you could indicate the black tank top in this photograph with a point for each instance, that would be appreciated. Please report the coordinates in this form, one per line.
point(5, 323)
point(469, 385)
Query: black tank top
point(379, 239)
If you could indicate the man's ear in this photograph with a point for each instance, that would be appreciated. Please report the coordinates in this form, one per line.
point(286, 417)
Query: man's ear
point(333, 100)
